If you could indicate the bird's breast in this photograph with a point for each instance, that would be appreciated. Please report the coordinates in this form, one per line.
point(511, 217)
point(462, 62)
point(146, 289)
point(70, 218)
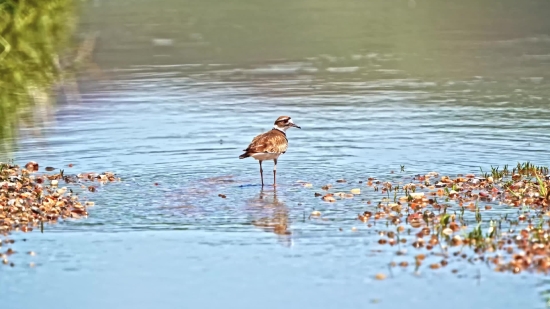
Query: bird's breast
point(266, 156)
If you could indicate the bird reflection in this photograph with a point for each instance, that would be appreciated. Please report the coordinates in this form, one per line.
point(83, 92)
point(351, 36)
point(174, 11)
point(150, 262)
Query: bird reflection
point(271, 215)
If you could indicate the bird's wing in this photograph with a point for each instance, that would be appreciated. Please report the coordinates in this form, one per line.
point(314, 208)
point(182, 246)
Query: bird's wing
point(270, 142)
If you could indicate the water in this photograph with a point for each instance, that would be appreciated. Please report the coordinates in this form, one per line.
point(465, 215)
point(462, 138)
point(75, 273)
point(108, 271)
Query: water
point(186, 85)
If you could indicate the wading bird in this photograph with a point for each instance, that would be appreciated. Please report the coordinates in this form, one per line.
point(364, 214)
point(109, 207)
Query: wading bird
point(270, 145)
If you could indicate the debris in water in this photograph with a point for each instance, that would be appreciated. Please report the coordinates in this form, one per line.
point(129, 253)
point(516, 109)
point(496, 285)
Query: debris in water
point(329, 198)
point(380, 276)
point(427, 212)
point(27, 201)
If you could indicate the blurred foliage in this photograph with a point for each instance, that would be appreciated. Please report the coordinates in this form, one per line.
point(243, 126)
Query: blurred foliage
point(33, 33)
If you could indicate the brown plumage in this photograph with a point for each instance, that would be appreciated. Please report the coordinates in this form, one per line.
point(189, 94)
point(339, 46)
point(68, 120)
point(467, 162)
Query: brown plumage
point(270, 145)
point(272, 141)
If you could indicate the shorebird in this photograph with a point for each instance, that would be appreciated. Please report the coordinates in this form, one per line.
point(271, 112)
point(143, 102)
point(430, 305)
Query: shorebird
point(270, 145)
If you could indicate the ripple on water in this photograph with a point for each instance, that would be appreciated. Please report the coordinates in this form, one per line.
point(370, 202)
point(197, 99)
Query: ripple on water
point(182, 126)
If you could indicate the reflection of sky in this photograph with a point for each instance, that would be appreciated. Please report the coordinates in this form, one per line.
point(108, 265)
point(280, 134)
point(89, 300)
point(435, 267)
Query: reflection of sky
point(189, 269)
point(423, 128)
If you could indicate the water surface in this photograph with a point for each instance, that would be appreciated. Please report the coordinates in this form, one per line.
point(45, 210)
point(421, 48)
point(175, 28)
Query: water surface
point(442, 86)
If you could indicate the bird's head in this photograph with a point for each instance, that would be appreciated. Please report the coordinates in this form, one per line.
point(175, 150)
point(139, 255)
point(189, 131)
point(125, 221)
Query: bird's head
point(284, 123)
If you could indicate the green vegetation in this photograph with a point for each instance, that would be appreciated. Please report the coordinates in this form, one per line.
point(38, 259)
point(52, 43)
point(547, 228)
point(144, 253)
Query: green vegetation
point(34, 38)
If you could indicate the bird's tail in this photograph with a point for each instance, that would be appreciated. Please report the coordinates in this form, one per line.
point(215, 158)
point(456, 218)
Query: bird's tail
point(244, 155)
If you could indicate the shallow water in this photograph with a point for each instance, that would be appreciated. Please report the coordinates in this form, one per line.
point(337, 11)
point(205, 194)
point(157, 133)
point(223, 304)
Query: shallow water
point(184, 89)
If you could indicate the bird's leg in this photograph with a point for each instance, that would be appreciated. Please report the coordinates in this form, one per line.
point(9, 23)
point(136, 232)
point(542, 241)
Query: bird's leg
point(261, 173)
point(275, 172)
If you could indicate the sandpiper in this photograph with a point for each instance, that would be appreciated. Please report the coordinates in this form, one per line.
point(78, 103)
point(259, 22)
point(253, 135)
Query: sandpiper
point(270, 145)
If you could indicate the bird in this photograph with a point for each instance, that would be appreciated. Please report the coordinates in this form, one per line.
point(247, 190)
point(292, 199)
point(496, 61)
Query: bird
point(270, 145)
